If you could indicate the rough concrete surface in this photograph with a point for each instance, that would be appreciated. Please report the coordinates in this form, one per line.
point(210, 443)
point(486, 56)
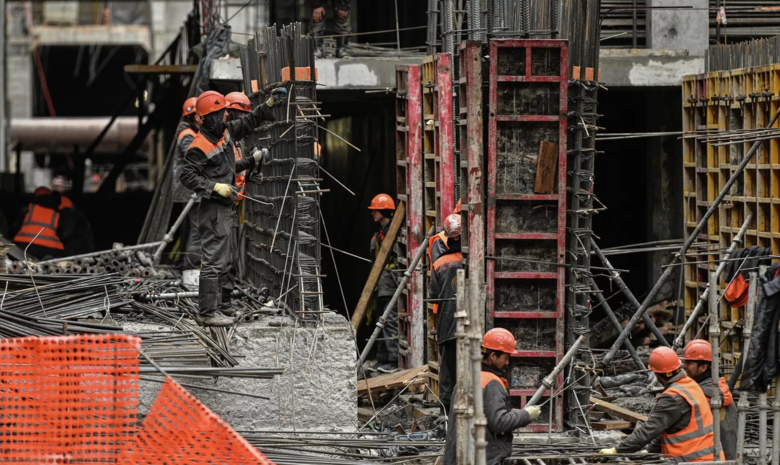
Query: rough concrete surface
point(318, 390)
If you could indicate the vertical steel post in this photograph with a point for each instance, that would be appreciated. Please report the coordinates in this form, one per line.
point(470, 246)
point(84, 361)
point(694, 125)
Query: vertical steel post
point(763, 406)
point(461, 407)
point(776, 430)
point(480, 422)
point(3, 67)
point(743, 406)
point(715, 402)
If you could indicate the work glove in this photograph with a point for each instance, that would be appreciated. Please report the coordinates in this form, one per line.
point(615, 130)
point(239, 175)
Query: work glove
point(259, 155)
point(223, 189)
point(533, 412)
point(278, 96)
point(612, 451)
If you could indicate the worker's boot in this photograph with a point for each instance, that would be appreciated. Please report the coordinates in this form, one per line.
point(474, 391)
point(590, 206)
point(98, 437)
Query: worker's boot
point(226, 306)
point(209, 294)
point(319, 51)
point(341, 49)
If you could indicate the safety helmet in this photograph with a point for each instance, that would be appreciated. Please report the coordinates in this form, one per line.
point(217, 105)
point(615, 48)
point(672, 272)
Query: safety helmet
point(41, 191)
point(501, 340)
point(664, 360)
point(382, 202)
point(238, 101)
point(209, 102)
point(698, 350)
point(452, 225)
point(457, 207)
point(189, 106)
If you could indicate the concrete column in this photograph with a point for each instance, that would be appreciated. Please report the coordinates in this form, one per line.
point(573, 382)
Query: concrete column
point(678, 28)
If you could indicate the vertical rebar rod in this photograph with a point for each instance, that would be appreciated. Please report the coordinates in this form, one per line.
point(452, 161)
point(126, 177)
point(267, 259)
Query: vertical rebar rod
point(715, 402)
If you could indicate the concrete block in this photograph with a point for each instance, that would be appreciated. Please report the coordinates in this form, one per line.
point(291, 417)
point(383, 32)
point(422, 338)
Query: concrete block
point(679, 28)
point(318, 390)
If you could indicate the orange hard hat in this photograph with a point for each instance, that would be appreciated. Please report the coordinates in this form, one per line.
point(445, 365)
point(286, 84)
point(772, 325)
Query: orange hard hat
point(41, 191)
point(452, 225)
point(238, 101)
point(209, 102)
point(664, 360)
point(189, 106)
point(457, 207)
point(382, 202)
point(698, 350)
point(501, 340)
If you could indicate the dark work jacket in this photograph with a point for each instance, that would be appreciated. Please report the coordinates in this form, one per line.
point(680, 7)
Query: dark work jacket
point(501, 418)
point(671, 414)
point(761, 364)
point(729, 416)
point(387, 283)
point(443, 290)
point(340, 4)
point(185, 134)
point(211, 159)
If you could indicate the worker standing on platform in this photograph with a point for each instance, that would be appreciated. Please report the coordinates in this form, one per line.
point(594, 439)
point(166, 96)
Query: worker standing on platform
point(680, 424)
point(341, 18)
point(697, 362)
point(210, 170)
point(185, 134)
point(442, 292)
point(382, 210)
point(498, 345)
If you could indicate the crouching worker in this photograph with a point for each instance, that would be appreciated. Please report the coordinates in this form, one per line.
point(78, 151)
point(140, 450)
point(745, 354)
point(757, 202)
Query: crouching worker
point(498, 345)
point(680, 424)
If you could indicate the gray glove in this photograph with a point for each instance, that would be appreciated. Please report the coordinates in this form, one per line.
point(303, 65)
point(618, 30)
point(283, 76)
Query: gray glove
point(278, 96)
point(260, 155)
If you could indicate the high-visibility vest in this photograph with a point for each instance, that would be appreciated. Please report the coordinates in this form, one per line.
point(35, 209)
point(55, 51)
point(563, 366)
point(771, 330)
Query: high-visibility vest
point(240, 179)
point(486, 377)
point(453, 257)
point(40, 220)
point(65, 203)
point(696, 442)
point(431, 240)
point(186, 132)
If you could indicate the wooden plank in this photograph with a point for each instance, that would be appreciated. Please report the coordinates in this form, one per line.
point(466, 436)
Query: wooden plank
point(161, 69)
point(379, 265)
point(609, 425)
point(545, 168)
point(617, 411)
point(392, 381)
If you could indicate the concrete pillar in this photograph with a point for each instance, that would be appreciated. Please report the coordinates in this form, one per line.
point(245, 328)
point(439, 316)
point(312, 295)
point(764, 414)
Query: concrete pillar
point(678, 28)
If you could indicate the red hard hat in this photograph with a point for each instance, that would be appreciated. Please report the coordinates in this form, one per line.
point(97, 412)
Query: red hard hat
point(501, 340)
point(41, 191)
point(189, 106)
point(698, 350)
point(452, 225)
point(457, 207)
point(238, 101)
point(664, 360)
point(382, 202)
point(209, 102)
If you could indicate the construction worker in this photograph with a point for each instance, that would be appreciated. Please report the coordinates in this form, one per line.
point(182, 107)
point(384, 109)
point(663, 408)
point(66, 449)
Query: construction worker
point(437, 244)
point(382, 210)
point(442, 292)
point(341, 18)
point(185, 134)
point(210, 170)
point(498, 345)
point(680, 424)
point(41, 232)
point(697, 362)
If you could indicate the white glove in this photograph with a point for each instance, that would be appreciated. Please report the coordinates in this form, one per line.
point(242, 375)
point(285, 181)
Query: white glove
point(533, 412)
point(223, 189)
point(612, 451)
point(259, 155)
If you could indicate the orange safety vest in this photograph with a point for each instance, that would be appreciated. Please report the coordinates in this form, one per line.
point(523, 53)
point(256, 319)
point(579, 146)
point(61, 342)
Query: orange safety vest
point(240, 179)
point(186, 132)
point(453, 257)
point(40, 220)
point(695, 443)
point(486, 377)
point(65, 203)
point(431, 240)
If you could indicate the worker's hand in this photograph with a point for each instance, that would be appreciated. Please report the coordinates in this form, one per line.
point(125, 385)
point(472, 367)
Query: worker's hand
point(278, 96)
point(260, 155)
point(222, 189)
point(342, 13)
point(643, 451)
point(533, 412)
point(317, 14)
point(612, 451)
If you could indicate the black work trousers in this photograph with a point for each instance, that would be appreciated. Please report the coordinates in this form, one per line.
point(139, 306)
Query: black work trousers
point(448, 357)
point(191, 259)
point(387, 347)
point(215, 225)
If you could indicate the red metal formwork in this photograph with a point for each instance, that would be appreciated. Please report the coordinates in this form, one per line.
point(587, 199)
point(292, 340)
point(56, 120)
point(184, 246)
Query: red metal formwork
point(409, 180)
point(526, 231)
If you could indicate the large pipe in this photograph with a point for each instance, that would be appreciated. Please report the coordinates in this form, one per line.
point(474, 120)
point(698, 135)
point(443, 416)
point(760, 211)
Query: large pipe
point(168, 238)
point(743, 406)
point(103, 252)
point(62, 134)
point(737, 174)
point(548, 381)
point(715, 402)
point(680, 341)
point(763, 406)
point(3, 68)
point(476, 333)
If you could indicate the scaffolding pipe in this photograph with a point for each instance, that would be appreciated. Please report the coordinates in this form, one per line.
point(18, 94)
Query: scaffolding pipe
point(548, 380)
point(601, 301)
point(461, 407)
point(763, 406)
point(680, 341)
point(776, 430)
point(476, 332)
point(125, 248)
point(3, 68)
point(169, 235)
point(742, 406)
point(715, 402)
point(737, 174)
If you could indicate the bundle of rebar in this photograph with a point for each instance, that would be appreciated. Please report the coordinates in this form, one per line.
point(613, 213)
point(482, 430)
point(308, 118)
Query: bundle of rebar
point(757, 52)
point(130, 263)
point(546, 454)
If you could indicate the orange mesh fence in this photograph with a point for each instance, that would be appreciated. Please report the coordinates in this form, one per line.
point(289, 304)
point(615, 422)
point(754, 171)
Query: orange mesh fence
point(180, 429)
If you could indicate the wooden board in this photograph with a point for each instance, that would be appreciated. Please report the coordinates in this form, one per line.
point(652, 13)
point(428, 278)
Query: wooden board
point(390, 381)
point(617, 411)
point(545, 168)
point(379, 265)
point(161, 69)
point(609, 425)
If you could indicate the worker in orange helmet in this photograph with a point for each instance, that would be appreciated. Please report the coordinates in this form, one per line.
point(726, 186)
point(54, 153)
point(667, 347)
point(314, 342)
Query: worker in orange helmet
point(498, 346)
point(185, 134)
point(382, 210)
point(697, 362)
point(680, 424)
point(442, 292)
point(210, 169)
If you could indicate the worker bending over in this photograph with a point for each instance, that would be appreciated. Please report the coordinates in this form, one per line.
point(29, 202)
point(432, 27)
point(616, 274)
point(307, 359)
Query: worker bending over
point(210, 170)
point(442, 292)
point(680, 424)
point(185, 134)
point(382, 210)
point(498, 345)
point(43, 230)
point(697, 362)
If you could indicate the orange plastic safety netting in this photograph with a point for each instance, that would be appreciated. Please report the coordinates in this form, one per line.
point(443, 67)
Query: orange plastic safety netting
point(180, 429)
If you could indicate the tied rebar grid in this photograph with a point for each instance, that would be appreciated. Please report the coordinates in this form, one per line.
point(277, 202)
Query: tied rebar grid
point(576, 454)
point(283, 234)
